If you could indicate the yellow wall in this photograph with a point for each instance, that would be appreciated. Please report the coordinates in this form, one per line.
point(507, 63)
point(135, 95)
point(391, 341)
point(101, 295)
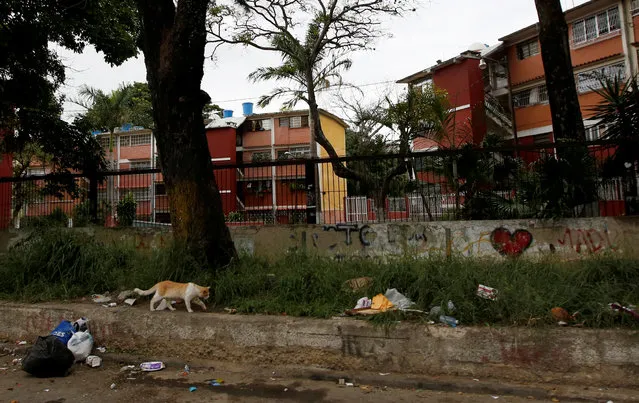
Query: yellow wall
point(332, 187)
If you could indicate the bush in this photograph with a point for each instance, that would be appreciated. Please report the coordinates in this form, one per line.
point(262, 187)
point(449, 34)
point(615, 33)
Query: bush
point(126, 210)
point(234, 216)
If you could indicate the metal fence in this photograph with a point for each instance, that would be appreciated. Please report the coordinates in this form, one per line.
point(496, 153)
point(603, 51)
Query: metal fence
point(489, 183)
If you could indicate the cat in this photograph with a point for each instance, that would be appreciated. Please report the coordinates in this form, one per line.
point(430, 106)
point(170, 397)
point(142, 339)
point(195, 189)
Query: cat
point(166, 290)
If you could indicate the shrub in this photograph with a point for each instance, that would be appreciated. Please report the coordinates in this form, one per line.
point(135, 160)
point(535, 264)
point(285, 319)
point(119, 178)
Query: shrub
point(126, 210)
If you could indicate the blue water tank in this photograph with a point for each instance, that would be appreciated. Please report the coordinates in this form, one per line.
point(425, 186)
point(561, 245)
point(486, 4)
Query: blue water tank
point(247, 108)
point(227, 113)
point(126, 127)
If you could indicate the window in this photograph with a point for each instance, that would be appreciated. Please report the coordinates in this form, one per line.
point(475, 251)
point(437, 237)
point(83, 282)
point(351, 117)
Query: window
point(284, 122)
point(590, 80)
point(521, 98)
point(261, 156)
point(595, 26)
point(595, 132)
point(104, 142)
point(138, 194)
point(527, 49)
point(531, 96)
point(298, 121)
point(261, 125)
point(140, 139)
point(294, 153)
point(140, 164)
point(634, 6)
point(542, 93)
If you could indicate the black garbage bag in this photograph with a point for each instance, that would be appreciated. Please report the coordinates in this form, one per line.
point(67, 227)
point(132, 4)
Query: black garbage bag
point(48, 357)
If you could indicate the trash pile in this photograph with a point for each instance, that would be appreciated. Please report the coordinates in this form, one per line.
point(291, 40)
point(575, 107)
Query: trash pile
point(55, 354)
point(393, 300)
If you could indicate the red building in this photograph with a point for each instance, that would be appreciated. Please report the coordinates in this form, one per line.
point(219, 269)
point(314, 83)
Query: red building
point(464, 81)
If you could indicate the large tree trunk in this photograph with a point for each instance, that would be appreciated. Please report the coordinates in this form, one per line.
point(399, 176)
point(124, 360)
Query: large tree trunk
point(173, 45)
point(340, 169)
point(567, 122)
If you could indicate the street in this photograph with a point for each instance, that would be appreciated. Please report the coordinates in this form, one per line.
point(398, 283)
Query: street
point(113, 383)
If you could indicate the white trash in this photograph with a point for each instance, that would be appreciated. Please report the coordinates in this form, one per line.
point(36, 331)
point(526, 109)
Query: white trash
point(398, 299)
point(363, 303)
point(94, 361)
point(80, 344)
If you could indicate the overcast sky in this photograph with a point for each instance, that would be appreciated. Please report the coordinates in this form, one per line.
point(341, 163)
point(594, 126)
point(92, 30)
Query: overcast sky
point(440, 29)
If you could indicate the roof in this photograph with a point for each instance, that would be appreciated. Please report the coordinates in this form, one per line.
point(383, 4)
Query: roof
point(469, 54)
point(268, 115)
point(135, 130)
point(571, 15)
point(233, 122)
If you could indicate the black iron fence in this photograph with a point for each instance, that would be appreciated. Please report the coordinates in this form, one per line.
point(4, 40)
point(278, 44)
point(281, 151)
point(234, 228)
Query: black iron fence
point(547, 180)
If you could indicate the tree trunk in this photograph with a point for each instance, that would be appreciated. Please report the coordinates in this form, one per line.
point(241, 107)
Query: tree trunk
point(318, 134)
point(173, 45)
point(567, 121)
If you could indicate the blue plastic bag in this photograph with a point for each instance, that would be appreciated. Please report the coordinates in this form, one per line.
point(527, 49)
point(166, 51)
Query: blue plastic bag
point(63, 331)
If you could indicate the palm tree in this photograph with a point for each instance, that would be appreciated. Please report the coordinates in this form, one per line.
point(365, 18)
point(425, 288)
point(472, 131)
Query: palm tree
point(618, 112)
point(106, 112)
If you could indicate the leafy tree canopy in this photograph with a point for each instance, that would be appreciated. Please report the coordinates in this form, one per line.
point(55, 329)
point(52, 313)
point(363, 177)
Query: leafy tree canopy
point(31, 71)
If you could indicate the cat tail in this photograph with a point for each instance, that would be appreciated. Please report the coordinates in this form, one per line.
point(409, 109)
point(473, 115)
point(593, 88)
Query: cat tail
point(147, 292)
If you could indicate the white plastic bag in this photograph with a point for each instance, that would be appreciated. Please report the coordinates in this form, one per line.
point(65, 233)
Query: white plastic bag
point(398, 299)
point(363, 303)
point(80, 344)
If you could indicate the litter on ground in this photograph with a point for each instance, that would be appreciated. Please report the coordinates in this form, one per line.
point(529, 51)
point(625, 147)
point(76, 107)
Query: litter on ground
point(152, 366)
point(486, 292)
point(100, 299)
point(93, 361)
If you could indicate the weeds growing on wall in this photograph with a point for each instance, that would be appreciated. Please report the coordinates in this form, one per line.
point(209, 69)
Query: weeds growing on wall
point(60, 264)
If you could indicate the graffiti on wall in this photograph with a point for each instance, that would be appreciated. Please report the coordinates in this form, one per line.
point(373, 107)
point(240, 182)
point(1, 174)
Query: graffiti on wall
point(362, 240)
point(363, 230)
point(510, 243)
point(586, 240)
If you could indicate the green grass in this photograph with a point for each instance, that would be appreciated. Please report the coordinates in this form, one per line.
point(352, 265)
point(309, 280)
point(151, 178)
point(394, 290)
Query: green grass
point(59, 264)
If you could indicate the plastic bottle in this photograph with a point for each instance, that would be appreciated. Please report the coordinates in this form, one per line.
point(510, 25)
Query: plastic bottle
point(448, 320)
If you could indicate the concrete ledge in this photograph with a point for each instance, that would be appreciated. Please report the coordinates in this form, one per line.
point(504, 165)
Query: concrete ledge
point(605, 357)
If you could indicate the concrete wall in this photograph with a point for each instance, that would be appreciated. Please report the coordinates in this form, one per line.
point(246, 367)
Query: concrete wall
point(603, 357)
point(570, 237)
point(474, 238)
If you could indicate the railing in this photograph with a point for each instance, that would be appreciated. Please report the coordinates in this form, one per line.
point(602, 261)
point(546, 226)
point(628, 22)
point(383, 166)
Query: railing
point(489, 183)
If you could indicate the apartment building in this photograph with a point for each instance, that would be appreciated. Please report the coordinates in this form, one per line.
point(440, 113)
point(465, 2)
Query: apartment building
point(134, 148)
point(502, 88)
point(275, 193)
point(602, 35)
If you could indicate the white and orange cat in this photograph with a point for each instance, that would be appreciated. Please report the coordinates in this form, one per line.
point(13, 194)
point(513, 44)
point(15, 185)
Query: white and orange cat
point(167, 290)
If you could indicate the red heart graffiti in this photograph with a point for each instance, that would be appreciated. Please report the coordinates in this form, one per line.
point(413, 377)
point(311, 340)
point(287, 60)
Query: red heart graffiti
point(510, 244)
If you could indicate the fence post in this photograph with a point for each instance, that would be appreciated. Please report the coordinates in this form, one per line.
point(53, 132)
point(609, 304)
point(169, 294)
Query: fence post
point(93, 197)
point(311, 192)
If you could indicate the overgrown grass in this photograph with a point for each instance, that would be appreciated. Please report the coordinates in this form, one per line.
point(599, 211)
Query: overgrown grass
point(60, 264)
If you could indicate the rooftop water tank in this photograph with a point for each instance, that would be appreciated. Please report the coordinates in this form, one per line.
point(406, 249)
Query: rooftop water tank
point(247, 108)
point(227, 113)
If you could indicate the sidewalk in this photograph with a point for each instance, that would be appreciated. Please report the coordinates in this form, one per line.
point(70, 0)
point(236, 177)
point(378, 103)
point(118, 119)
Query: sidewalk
point(559, 356)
